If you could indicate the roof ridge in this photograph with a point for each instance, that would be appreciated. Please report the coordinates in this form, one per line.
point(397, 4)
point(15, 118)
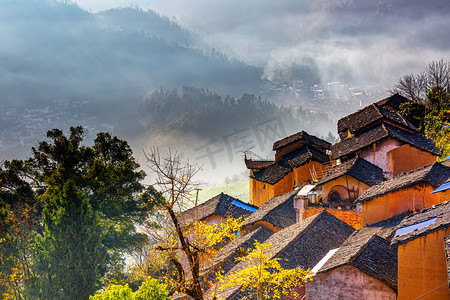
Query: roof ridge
point(377, 109)
point(364, 246)
point(314, 221)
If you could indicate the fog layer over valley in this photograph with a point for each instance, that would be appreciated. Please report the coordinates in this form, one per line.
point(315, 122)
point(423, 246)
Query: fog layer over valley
point(212, 80)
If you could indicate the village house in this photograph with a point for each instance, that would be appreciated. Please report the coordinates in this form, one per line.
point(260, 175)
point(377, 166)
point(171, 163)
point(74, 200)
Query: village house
point(345, 182)
point(301, 244)
point(298, 158)
point(337, 191)
point(421, 240)
point(407, 192)
point(385, 138)
point(217, 209)
point(363, 267)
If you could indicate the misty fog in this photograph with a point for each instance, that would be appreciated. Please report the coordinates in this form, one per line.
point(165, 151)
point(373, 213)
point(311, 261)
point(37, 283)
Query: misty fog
point(133, 71)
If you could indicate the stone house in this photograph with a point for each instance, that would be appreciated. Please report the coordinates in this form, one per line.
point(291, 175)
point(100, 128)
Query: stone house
point(298, 158)
point(385, 138)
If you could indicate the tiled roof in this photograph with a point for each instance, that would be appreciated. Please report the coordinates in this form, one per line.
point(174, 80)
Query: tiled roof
point(220, 205)
point(434, 174)
point(226, 257)
point(302, 136)
point(423, 223)
point(278, 211)
point(302, 244)
point(369, 116)
point(447, 255)
point(276, 171)
point(368, 249)
point(257, 164)
point(380, 132)
point(393, 101)
point(358, 168)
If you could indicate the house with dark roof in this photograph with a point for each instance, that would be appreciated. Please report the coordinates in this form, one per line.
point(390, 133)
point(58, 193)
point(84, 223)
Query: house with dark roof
point(301, 244)
point(393, 102)
point(421, 241)
point(379, 134)
point(298, 158)
point(363, 267)
point(275, 214)
point(217, 209)
point(338, 190)
point(345, 182)
point(407, 192)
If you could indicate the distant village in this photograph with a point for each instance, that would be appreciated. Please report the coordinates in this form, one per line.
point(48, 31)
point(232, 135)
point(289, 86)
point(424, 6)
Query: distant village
point(369, 215)
point(22, 128)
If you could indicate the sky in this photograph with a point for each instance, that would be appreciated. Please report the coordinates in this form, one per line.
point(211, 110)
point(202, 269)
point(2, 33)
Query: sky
point(366, 41)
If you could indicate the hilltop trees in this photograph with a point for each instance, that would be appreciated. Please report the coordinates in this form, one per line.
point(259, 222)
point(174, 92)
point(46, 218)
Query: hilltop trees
point(429, 102)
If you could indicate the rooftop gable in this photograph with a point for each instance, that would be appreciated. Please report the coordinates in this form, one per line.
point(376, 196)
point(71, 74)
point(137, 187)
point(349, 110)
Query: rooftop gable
point(378, 133)
point(278, 170)
point(422, 223)
point(302, 136)
point(435, 174)
point(222, 205)
point(369, 116)
point(393, 101)
point(357, 168)
point(278, 211)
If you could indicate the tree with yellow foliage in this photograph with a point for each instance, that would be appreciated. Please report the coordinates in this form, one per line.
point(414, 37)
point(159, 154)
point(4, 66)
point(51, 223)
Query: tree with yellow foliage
point(193, 242)
point(261, 276)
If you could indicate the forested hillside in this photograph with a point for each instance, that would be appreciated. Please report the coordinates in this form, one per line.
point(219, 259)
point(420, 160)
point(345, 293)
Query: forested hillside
point(54, 49)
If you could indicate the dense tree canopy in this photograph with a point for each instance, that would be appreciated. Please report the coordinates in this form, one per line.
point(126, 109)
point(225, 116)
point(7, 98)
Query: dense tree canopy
point(68, 214)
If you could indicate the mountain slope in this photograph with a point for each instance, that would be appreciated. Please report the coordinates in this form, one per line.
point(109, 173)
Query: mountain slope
point(55, 49)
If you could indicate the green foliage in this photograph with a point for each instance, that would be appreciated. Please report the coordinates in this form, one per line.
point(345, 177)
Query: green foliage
point(150, 289)
point(69, 254)
point(76, 206)
point(414, 111)
point(205, 113)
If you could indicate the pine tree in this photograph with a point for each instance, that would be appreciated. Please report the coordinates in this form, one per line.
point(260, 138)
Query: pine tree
point(69, 253)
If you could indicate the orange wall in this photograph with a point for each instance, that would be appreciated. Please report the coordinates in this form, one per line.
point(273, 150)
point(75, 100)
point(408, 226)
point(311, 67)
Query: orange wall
point(412, 198)
point(407, 158)
point(348, 182)
point(351, 217)
point(422, 267)
point(303, 173)
point(260, 192)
